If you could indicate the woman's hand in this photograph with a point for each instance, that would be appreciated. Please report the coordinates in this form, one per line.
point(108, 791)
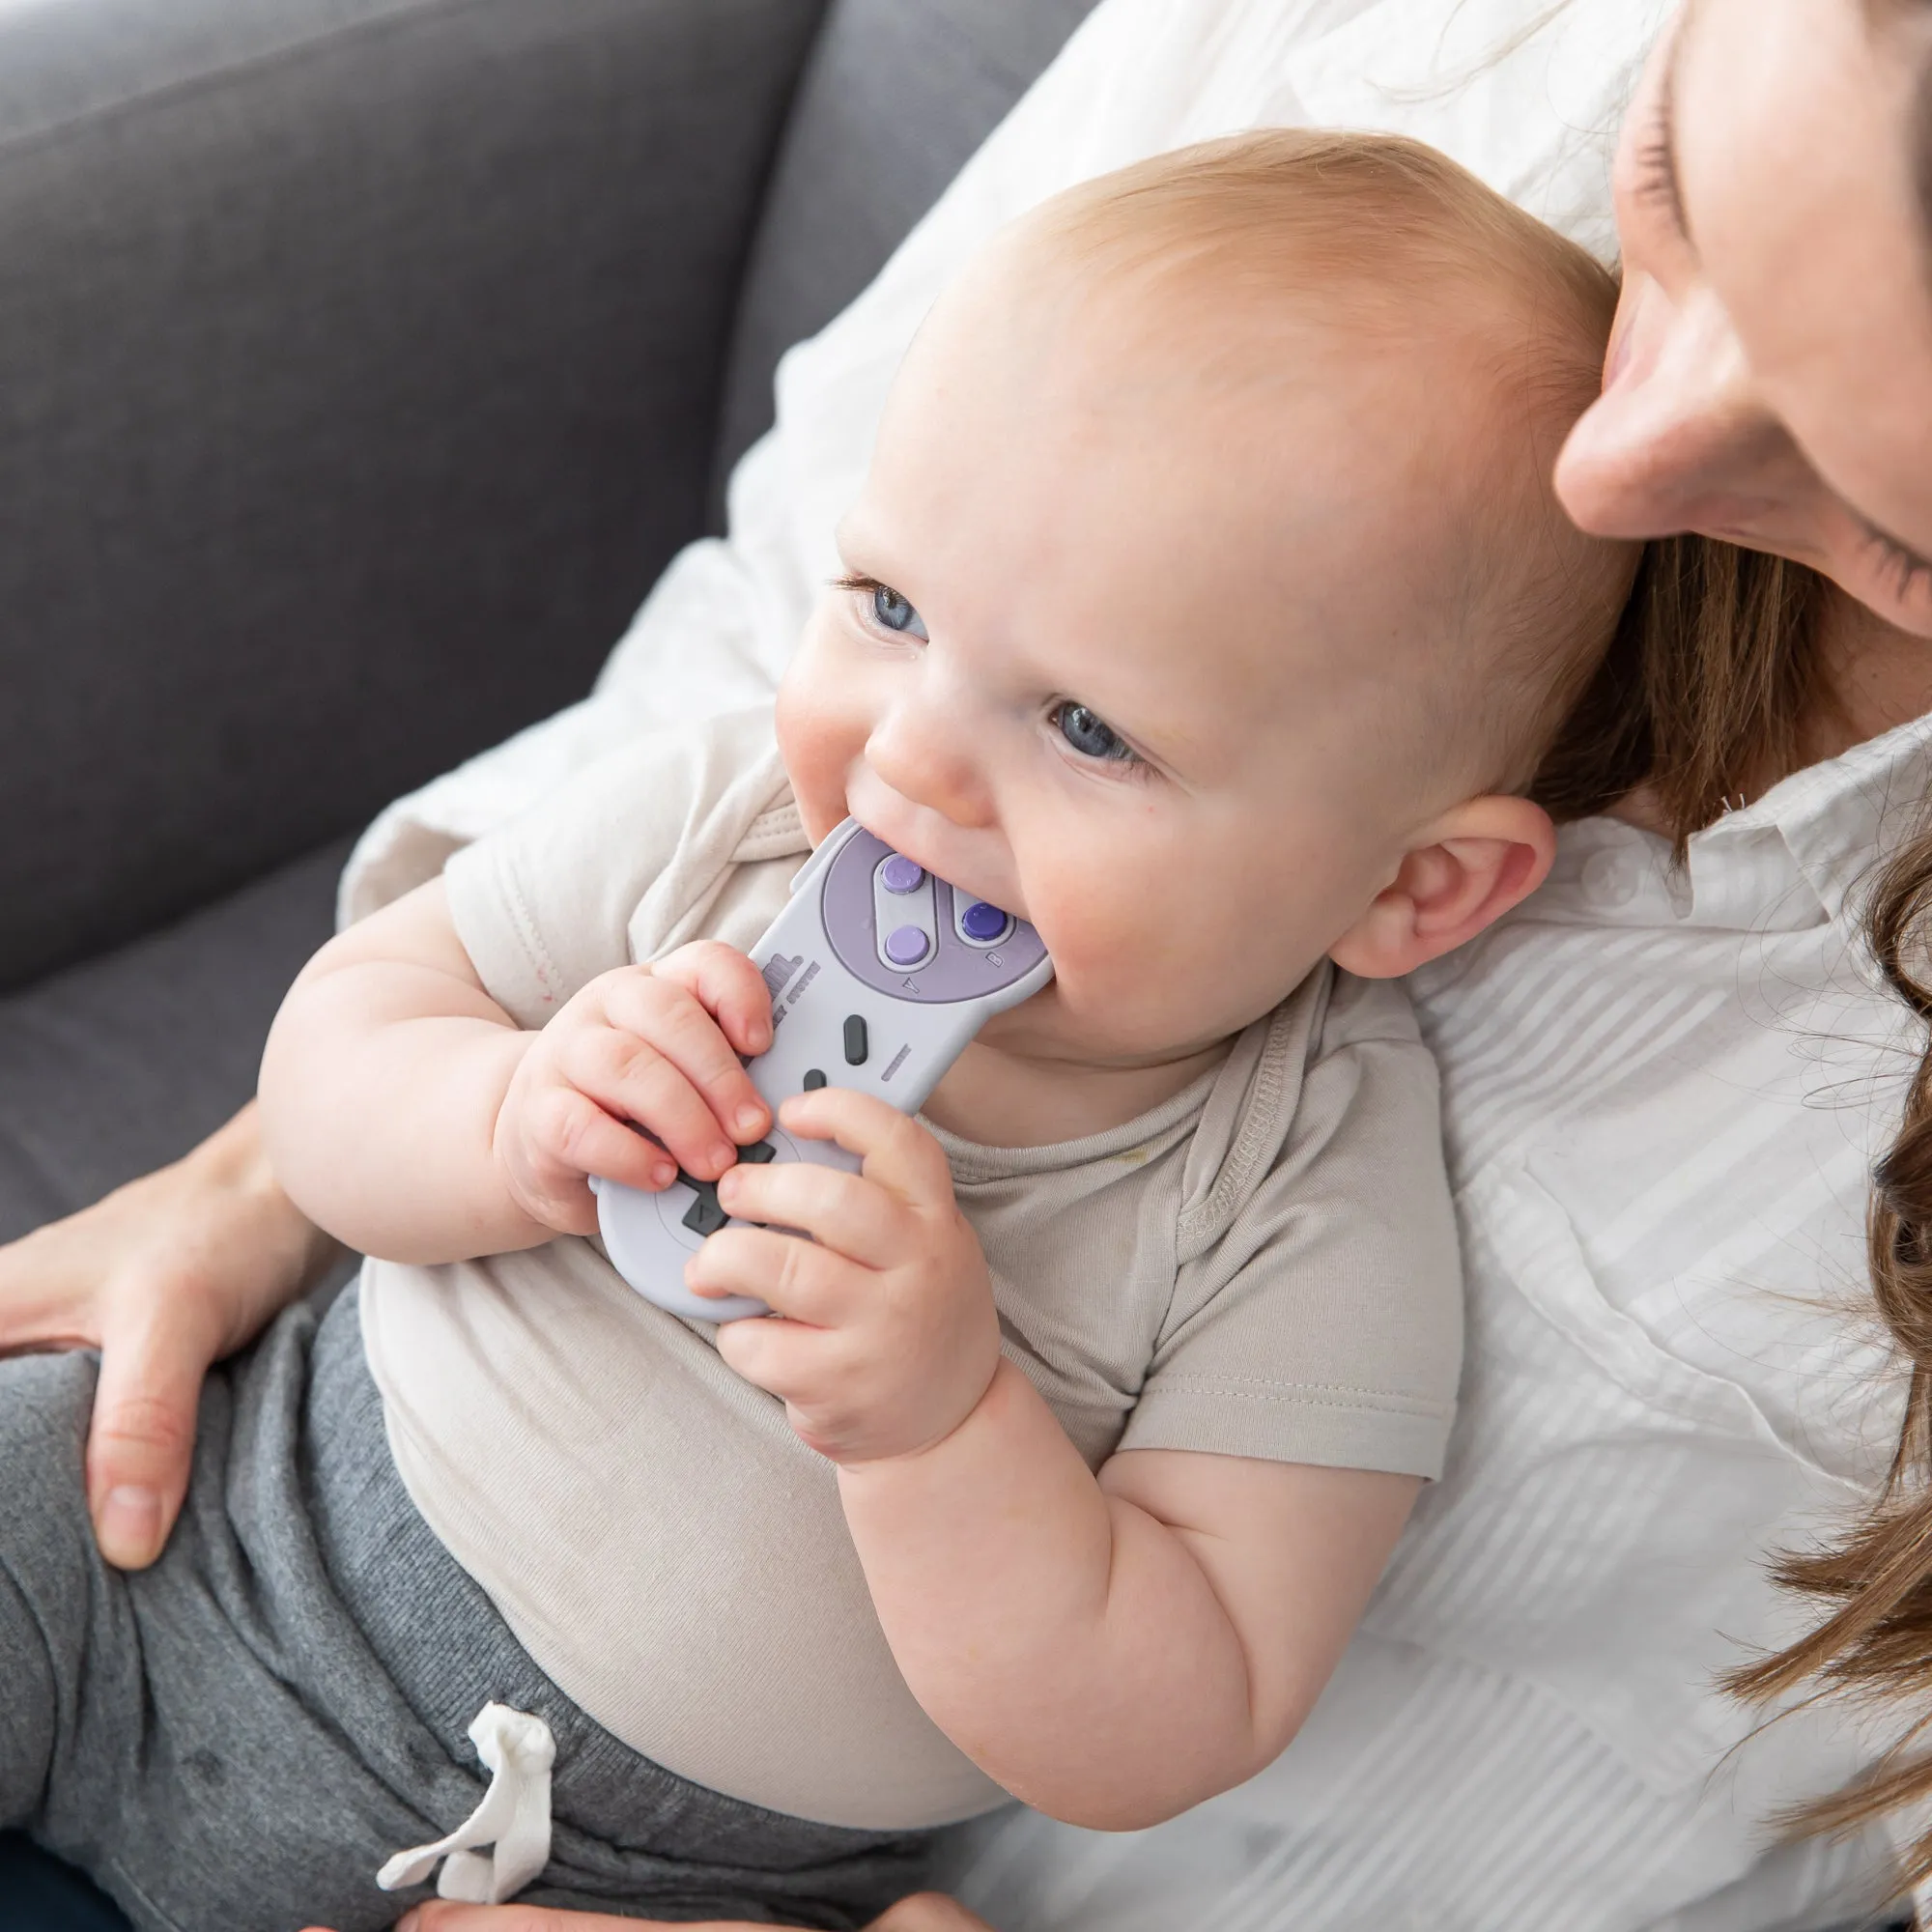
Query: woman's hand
point(924, 1912)
point(164, 1277)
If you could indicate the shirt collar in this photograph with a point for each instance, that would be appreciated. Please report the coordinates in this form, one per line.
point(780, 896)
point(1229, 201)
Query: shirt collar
point(1787, 861)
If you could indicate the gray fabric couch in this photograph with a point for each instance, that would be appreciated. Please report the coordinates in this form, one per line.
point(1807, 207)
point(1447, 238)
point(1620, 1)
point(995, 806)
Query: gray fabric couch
point(362, 362)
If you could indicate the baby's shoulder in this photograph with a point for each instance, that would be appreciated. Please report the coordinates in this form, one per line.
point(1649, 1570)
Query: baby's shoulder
point(1338, 1065)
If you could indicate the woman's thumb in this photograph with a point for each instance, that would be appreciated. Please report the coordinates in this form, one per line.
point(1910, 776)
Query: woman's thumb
point(142, 1440)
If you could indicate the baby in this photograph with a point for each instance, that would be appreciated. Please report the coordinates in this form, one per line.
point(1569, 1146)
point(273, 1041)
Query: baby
point(1206, 606)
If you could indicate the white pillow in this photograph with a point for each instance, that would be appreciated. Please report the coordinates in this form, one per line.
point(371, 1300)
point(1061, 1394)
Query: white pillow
point(1525, 94)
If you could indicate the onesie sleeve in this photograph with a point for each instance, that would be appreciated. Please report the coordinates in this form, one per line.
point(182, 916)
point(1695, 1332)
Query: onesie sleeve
point(1318, 1308)
point(624, 851)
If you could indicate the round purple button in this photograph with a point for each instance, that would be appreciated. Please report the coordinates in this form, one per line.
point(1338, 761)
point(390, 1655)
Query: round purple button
point(980, 920)
point(899, 874)
point(907, 945)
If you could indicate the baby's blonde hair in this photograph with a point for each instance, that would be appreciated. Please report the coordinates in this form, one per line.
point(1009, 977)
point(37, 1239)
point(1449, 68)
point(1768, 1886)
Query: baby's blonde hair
point(1393, 243)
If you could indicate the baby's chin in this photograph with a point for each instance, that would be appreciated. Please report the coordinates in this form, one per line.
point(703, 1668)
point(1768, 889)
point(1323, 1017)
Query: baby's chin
point(1094, 1034)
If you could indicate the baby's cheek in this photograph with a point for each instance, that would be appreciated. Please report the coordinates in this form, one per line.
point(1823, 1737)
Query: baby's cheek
point(1115, 941)
point(819, 745)
point(1165, 956)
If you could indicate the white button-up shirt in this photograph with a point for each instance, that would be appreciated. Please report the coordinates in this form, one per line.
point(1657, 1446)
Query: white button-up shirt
point(1663, 1095)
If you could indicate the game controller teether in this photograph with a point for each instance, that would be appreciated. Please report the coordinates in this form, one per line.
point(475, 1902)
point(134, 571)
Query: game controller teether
point(880, 975)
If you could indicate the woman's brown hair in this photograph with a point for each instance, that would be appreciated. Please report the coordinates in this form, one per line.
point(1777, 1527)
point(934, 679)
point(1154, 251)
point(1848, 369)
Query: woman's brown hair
point(1698, 704)
point(1875, 1578)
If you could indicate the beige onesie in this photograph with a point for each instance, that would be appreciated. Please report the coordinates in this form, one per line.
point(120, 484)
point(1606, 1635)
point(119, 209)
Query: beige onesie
point(1263, 1265)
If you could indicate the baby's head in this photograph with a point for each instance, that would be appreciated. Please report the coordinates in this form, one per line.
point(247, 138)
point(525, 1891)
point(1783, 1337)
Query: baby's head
point(1206, 603)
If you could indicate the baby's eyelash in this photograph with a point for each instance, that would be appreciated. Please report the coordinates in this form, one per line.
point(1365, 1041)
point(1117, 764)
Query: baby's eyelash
point(1123, 761)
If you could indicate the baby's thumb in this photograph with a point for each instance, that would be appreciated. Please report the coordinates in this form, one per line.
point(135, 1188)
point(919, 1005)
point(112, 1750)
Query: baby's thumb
point(142, 1440)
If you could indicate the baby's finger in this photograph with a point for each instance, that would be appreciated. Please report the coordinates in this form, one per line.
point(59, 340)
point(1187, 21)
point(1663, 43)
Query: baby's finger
point(899, 1153)
point(846, 1212)
point(728, 985)
point(632, 1079)
point(670, 1019)
point(789, 1359)
point(580, 1137)
point(801, 1281)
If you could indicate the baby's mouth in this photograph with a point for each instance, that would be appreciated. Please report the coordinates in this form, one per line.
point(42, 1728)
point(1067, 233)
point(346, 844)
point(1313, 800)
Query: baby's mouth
point(935, 842)
point(909, 844)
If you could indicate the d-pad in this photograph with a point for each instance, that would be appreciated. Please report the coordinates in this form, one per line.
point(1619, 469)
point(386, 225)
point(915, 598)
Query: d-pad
point(705, 1216)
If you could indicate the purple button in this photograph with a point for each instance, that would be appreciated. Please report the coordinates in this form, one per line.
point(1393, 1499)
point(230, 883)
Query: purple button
point(899, 874)
point(980, 920)
point(907, 945)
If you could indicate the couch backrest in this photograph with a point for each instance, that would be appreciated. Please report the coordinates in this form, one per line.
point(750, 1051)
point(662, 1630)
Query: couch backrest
point(896, 96)
point(359, 365)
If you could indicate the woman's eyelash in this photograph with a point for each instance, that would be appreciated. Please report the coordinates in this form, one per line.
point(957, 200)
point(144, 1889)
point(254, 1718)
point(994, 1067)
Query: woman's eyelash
point(1903, 570)
point(1656, 176)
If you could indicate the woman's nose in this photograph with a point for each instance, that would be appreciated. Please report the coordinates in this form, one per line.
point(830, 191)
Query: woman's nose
point(925, 751)
point(1680, 439)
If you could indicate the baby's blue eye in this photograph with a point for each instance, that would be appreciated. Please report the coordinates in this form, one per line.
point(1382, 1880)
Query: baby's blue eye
point(895, 613)
point(1091, 735)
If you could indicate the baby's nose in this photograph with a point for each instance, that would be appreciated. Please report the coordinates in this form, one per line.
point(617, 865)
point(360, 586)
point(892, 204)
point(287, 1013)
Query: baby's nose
point(931, 761)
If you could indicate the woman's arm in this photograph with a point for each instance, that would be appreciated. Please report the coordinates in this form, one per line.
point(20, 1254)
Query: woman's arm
point(163, 1276)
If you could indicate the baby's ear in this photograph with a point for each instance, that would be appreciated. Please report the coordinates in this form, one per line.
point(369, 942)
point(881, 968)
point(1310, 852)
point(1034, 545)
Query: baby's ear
point(1465, 870)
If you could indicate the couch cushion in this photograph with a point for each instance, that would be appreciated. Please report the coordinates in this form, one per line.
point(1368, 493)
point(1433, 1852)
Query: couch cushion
point(113, 1067)
point(896, 97)
point(359, 366)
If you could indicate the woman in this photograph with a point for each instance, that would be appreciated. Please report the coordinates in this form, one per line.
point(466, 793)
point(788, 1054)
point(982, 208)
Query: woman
point(1664, 1088)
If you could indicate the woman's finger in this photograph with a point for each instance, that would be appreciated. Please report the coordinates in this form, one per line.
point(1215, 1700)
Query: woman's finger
point(441, 1915)
point(924, 1912)
point(928, 1912)
point(141, 1442)
point(844, 1212)
point(897, 1151)
point(802, 1281)
point(50, 1286)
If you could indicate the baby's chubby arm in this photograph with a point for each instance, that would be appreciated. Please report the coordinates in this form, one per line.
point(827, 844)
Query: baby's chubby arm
point(408, 1113)
point(1111, 1649)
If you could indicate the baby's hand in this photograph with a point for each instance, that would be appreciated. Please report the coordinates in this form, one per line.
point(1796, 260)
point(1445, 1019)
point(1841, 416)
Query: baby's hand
point(887, 1335)
point(654, 1045)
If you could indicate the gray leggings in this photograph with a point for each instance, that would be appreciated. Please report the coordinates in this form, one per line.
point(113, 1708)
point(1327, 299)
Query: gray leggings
point(238, 1737)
